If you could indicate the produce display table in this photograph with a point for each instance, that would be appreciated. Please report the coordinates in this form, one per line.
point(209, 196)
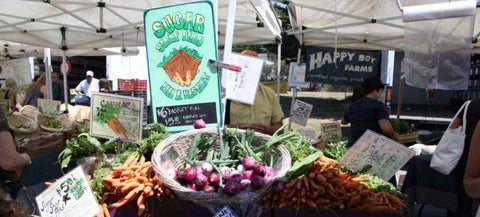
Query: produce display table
point(426, 186)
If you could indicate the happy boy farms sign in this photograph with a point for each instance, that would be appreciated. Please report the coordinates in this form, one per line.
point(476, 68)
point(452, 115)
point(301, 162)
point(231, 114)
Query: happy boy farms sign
point(344, 67)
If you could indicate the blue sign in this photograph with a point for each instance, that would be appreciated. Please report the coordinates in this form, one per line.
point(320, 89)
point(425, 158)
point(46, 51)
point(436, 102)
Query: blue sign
point(344, 67)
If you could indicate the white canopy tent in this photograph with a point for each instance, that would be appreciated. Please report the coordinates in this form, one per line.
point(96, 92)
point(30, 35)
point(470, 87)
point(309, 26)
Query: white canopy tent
point(367, 24)
point(107, 23)
point(95, 24)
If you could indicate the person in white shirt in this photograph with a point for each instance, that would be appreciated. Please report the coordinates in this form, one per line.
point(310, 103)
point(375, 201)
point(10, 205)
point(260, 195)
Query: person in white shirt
point(85, 88)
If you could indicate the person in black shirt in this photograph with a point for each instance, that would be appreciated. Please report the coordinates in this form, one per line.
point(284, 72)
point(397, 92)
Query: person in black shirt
point(368, 112)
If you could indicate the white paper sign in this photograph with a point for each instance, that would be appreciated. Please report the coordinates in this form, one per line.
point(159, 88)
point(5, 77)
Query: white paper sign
point(296, 76)
point(69, 196)
point(300, 112)
point(48, 107)
point(330, 131)
point(18, 69)
point(242, 86)
point(225, 212)
point(377, 155)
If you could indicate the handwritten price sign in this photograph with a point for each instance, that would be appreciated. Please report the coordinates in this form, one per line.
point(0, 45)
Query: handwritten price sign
point(225, 212)
point(68, 196)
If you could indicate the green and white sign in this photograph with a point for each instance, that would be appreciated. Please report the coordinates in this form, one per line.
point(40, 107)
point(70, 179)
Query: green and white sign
point(180, 39)
point(113, 115)
point(48, 107)
point(70, 195)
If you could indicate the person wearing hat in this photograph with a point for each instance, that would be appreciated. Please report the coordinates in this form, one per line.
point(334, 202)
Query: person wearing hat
point(368, 113)
point(85, 88)
point(264, 116)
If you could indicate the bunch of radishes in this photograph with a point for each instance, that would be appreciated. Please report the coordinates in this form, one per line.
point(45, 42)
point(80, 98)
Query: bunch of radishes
point(251, 175)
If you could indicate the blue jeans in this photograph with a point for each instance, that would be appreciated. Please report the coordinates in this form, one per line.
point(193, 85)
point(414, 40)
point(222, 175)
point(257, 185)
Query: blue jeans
point(82, 100)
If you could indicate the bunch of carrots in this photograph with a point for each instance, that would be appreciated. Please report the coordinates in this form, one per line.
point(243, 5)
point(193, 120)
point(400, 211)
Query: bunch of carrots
point(326, 187)
point(135, 179)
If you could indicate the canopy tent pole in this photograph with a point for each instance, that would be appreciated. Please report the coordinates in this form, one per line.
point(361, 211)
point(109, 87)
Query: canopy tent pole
point(227, 50)
point(65, 88)
point(48, 72)
point(294, 94)
point(64, 66)
point(400, 97)
point(279, 66)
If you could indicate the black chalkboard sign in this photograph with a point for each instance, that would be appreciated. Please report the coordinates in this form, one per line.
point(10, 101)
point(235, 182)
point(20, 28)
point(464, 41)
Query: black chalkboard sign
point(181, 115)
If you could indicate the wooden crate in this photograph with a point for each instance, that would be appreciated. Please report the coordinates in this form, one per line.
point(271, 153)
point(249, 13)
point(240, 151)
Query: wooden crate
point(126, 84)
point(408, 138)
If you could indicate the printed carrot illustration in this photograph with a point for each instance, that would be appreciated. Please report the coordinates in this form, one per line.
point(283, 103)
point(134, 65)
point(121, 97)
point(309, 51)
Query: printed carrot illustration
point(108, 115)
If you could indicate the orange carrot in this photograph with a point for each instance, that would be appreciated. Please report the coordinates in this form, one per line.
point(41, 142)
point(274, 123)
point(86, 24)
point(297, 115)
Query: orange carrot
point(141, 204)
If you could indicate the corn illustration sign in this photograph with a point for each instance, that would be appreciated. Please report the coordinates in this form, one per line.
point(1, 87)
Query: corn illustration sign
point(180, 39)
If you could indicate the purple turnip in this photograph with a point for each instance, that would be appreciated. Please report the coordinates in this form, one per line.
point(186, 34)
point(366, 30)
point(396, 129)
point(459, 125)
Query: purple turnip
point(235, 178)
point(226, 172)
point(248, 162)
point(245, 183)
point(199, 124)
point(248, 174)
point(257, 182)
point(213, 179)
point(232, 188)
point(207, 168)
point(189, 174)
point(201, 180)
point(208, 188)
point(279, 186)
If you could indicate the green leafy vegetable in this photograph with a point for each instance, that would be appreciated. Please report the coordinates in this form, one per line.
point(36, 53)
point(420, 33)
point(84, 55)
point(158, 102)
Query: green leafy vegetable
point(106, 113)
point(336, 150)
point(402, 127)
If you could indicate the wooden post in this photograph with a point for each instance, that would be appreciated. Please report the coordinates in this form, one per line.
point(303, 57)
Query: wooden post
point(400, 97)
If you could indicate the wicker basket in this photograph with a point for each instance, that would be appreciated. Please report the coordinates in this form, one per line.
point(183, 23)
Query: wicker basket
point(67, 125)
point(408, 138)
point(170, 152)
point(21, 124)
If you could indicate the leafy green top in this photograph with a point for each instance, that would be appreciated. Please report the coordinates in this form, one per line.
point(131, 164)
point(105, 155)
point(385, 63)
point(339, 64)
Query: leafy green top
point(106, 113)
point(402, 127)
point(190, 51)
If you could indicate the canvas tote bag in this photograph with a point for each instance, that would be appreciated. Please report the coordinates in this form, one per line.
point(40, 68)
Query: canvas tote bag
point(450, 147)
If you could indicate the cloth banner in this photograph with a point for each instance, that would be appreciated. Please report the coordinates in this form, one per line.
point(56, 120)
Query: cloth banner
point(344, 67)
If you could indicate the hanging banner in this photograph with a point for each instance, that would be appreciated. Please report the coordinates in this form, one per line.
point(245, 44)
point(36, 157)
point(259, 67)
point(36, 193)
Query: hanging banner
point(180, 39)
point(344, 67)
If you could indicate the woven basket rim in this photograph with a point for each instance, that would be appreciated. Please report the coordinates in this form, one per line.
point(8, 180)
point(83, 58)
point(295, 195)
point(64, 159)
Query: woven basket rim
point(25, 119)
point(213, 198)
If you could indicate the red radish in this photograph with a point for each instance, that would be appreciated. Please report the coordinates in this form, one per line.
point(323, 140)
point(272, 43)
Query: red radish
point(226, 172)
point(248, 162)
point(207, 168)
point(208, 188)
point(245, 183)
point(248, 174)
point(199, 124)
point(201, 180)
point(192, 186)
point(259, 169)
point(279, 186)
point(189, 174)
point(213, 179)
point(236, 178)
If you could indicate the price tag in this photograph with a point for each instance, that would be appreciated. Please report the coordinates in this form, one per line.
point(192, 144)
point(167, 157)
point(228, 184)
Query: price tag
point(301, 112)
point(68, 196)
point(225, 212)
point(48, 107)
point(377, 155)
point(330, 131)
